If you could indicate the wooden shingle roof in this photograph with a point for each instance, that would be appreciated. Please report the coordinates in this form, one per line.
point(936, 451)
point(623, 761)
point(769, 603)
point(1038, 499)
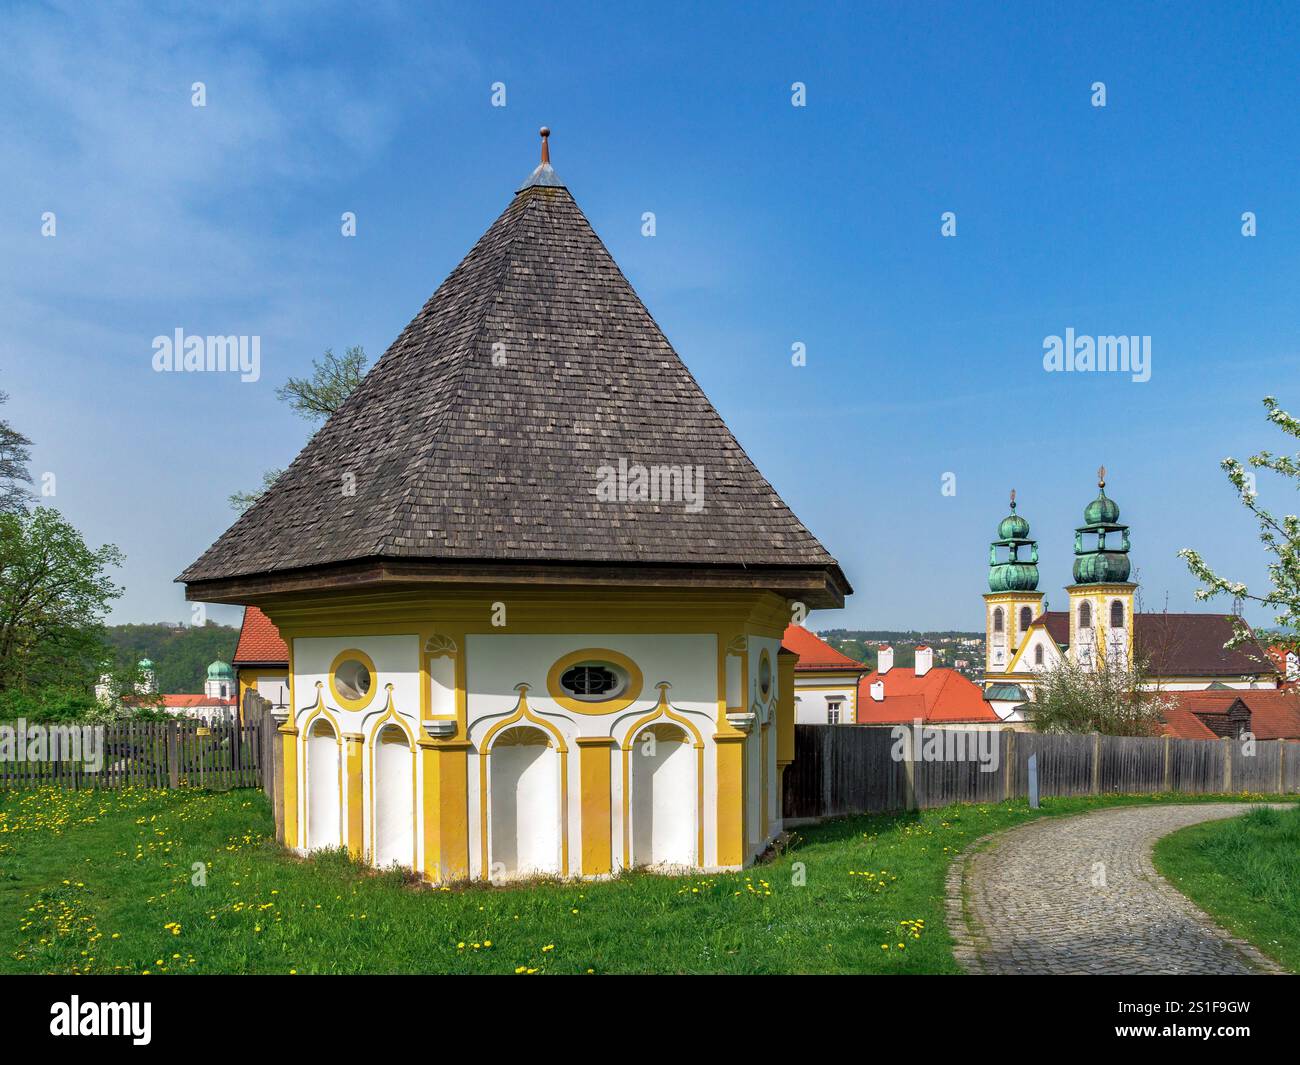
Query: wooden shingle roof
point(480, 435)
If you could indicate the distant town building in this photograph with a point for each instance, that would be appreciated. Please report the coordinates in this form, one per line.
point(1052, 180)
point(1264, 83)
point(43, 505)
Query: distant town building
point(825, 680)
point(931, 694)
point(1178, 652)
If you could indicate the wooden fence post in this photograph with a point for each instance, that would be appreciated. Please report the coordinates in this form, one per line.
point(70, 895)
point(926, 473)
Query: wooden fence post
point(1096, 763)
point(1281, 762)
point(1009, 767)
point(173, 756)
point(1227, 765)
point(1168, 773)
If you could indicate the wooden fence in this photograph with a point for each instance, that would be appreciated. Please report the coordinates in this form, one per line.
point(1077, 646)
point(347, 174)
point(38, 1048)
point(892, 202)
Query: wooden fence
point(847, 769)
point(148, 754)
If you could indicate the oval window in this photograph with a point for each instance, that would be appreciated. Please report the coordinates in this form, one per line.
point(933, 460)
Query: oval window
point(593, 681)
point(764, 676)
point(352, 679)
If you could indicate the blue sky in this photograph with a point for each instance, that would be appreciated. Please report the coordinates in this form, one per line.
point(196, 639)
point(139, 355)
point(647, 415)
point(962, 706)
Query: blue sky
point(775, 225)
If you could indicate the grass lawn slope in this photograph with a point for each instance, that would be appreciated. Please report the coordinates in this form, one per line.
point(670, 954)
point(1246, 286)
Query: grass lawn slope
point(188, 881)
point(1246, 874)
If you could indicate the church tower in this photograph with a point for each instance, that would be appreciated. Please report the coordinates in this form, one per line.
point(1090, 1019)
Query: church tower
point(1101, 597)
point(1013, 600)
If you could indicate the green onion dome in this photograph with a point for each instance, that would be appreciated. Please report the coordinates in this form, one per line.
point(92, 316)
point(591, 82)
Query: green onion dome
point(1013, 526)
point(1096, 562)
point(219, 670)
point(1013, 573)
point(1101, 511)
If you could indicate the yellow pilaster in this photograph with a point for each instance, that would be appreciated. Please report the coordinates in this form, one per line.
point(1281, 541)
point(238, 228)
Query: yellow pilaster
point(355, 743)
point(766, 828)
point(446, 809)
point(289, 737)
point(596, 804)
point(731, 797)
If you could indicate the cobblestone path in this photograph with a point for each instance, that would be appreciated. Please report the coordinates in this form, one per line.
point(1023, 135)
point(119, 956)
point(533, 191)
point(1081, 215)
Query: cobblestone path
point(1080, 895)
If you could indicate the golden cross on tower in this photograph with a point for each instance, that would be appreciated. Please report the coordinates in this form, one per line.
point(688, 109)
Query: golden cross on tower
point(1101, 476)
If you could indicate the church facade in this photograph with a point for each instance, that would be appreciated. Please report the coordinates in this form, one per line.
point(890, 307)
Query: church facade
point(1101, 627)
point(497, 666)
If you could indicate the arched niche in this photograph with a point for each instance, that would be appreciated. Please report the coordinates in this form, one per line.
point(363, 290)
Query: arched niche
point(524, 796)
point(664, 792)
point(323, 800)
point(394, 798)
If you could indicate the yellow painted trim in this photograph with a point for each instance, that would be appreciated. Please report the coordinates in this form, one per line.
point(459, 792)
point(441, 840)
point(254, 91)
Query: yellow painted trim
point(731, 798)
point(356, 806)
point(343, 701)
point(622, 701)
point(596, 804)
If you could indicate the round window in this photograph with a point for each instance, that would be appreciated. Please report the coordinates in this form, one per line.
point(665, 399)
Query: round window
point(352, 679)
point(764, 676)
point(593, 682)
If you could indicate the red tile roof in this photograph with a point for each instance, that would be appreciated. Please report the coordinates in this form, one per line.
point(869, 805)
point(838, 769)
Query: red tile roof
point(815, 653)
point(942, 695)
point(259, 642)
point(182, 701)
point(1274, 713)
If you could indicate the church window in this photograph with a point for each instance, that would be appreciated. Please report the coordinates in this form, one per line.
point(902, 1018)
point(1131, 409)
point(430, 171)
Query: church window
point(997, 619)
point(1026, 618)
point(1038, 655)
point(1116, 614)
point(1085, 615)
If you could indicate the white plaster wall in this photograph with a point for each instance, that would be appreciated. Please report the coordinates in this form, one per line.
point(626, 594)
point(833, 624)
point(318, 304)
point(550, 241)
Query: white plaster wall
point(524, 800)
point(323, 827)
point(811, 709)
point(663, 802)
point(394, 799)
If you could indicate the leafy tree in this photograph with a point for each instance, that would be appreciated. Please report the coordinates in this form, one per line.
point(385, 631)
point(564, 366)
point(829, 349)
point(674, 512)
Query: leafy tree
point(1280, 536)
point(14, 474)
point(1112, 700)
point(332, 381)
point(54, 593)
point(315, 398)
point(180, 655)
point(241, 501)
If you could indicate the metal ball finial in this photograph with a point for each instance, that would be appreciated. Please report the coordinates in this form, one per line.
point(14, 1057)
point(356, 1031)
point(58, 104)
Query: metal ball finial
point(1101, 476)
point(1013, 499)
point(545, 131)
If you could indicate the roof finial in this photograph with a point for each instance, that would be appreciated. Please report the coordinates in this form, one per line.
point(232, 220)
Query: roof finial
point(1013, 499)
point(1101, 476)
point(545, 131)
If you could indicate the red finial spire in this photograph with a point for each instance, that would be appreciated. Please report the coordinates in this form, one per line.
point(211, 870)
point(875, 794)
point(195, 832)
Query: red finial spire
point(545, 131)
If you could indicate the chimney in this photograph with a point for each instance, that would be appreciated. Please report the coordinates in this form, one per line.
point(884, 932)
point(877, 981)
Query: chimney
point(924, 660)
point(878, 691)
point(884, 659)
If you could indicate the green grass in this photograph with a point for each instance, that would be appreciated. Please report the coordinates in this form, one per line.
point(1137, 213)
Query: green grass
point(103, 882)
point(1246, 874)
